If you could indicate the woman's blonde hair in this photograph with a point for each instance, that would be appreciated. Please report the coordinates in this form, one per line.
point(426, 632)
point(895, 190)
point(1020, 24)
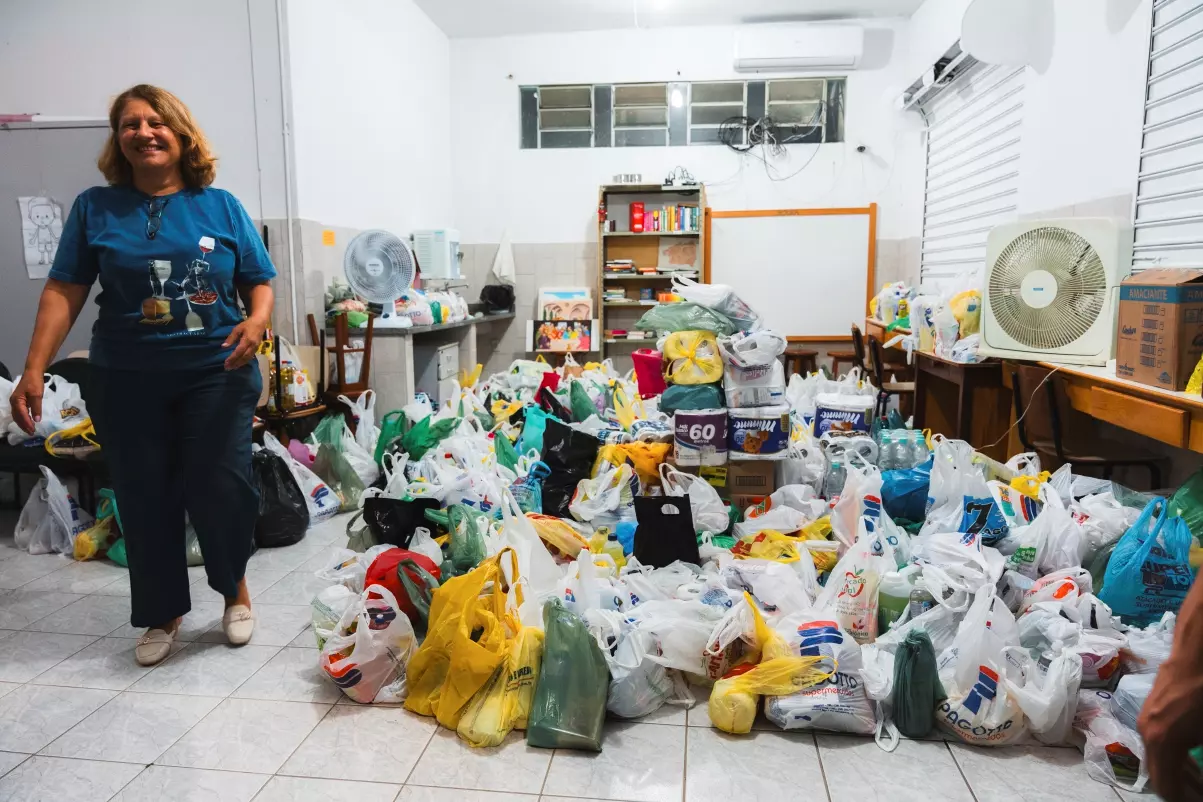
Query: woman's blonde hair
point(198, 165)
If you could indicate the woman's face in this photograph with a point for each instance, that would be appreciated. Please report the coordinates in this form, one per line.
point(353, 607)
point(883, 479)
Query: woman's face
point(145, 139)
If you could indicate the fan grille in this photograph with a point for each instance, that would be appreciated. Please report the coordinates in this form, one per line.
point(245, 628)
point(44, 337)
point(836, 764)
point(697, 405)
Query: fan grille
point(1080, 292)
point(379, 266)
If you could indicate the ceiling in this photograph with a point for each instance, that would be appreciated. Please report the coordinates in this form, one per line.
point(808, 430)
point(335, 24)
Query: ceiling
point(462, 18)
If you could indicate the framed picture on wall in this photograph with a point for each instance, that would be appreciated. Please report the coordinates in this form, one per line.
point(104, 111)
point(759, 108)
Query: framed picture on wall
point(565, 303)
point(561, 336)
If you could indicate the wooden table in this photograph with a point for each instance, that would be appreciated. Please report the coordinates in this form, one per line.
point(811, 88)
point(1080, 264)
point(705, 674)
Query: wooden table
point(1171, 417)
point(967, 401)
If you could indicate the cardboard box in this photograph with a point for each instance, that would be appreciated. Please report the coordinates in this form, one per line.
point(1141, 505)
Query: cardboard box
point(740, 483)
point(1160, 332)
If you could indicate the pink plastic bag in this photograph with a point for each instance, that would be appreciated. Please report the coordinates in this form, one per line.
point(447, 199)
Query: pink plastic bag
point(301, 453)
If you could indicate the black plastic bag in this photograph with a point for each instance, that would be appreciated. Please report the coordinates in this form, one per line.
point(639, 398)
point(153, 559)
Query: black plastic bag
point(553, 406)
point(665, 532)
point(569, 455)
point(498, 297)
point(283, 516)
point(393, 520)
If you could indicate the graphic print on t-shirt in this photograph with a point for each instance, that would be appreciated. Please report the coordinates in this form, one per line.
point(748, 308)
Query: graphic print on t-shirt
point(193, 290)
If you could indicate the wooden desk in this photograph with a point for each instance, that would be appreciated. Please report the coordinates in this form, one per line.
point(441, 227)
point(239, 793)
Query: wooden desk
point(967, 401)
point(1171, 417)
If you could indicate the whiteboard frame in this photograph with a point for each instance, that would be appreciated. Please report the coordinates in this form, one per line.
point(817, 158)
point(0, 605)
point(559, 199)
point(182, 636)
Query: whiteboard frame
point(871, 272)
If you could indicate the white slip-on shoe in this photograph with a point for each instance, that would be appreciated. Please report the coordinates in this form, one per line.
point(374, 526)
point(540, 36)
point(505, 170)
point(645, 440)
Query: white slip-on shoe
point(153, 646)
point(238, 623)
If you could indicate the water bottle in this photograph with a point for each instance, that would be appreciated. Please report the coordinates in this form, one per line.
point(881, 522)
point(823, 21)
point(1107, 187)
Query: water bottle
point(920, 600)
point(919, 452)
point(885, 452)
point(836, 477)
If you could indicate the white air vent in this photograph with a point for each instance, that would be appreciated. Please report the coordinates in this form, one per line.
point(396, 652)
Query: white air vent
point(799, 47)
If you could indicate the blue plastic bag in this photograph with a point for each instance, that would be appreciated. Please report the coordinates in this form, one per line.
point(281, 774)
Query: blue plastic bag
point(1149, 572)
point(533, 426)
point(904, 492)
point(528, 491)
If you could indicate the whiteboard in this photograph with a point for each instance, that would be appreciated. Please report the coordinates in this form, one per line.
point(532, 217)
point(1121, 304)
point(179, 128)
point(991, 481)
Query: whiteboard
point(806, 271)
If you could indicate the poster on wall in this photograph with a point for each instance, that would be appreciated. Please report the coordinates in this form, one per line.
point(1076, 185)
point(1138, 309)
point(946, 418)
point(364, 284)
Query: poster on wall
point(41, 227)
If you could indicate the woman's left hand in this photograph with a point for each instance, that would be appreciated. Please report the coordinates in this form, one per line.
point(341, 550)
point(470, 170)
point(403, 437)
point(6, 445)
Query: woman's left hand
point(246, 337)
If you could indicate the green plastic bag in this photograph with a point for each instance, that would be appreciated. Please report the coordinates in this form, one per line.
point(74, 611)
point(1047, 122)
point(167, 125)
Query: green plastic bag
point(116, 552)
point(333, 469)
point(580, 402)
point(917, 688)
point(426, 435)
point(507, 457)
point(467, 547)
point(329, 432)
point(1187, 504)
point(419, 596)
point(391, 427)
point(569, 708)
point(686, 316)
point(692, 396)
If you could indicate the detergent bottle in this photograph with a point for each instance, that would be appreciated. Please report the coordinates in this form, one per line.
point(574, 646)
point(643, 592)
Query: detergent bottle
point(894, 595)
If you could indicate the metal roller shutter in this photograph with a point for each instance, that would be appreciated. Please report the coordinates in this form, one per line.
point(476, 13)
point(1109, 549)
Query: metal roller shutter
point(972, 181)
point(1169, 190)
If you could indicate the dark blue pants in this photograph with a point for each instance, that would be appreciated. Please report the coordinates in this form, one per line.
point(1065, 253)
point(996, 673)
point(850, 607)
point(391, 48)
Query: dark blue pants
point(177, 440)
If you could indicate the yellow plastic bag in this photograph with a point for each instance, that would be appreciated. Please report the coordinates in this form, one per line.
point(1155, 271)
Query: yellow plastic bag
point(818, 529)
point(465, 641)
point(626, 410)
point(75, 441)
point(503, 704)
point(557, 533)
point(94, 542)
point(526, 654)
point(769, 670)
point(645, 458)
point(967, 309)
point(469, 379)
point(693, 358)
point(1030, 485)
point(767, 544)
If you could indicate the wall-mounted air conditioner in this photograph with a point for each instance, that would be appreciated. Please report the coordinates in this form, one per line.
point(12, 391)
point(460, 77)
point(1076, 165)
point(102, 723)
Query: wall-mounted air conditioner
point(798, 47)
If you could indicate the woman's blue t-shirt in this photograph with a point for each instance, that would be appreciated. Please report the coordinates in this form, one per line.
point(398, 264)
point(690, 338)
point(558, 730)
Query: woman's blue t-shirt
point(167, 302)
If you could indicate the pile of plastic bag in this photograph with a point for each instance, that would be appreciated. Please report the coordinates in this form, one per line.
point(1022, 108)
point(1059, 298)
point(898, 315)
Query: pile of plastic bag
point(536, 553)
point(947, 324)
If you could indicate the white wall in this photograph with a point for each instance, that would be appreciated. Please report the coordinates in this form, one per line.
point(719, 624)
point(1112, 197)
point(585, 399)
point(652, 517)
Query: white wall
point(549, 196)
point(370, 100)
point(64, 57)
point(1083, 117)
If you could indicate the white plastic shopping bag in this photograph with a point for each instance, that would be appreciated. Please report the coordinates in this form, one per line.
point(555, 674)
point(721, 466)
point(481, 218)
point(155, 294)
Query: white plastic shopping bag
point(62, 407)
point(709, 512)
point(959, 498)
point(367, 653)
point(363, 410)
point(50, 520)
point(638, 686)
point(719, 297)
point(850, 595)
point(840, 703)
point(861, 496)
point(321, 501)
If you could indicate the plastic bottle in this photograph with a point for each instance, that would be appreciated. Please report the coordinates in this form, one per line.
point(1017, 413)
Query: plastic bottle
point(919, 451)
point(894, 596)
point(834, 484)
point(886, 453)
point(920, 600)
point(614, 548)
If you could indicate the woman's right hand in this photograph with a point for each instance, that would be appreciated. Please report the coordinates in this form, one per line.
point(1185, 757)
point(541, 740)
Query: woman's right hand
point(26, 400)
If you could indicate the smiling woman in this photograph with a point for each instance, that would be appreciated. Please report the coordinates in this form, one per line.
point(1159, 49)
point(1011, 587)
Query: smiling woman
point(173, 387)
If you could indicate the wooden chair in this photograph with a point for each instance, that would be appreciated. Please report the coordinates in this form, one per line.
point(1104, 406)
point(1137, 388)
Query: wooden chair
point(1041, 430)
point(800, 360)
point(340, 350)
point(880, 370)
point(855, 358)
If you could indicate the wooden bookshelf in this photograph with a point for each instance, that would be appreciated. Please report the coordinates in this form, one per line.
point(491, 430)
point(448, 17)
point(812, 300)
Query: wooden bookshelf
point(644, 249)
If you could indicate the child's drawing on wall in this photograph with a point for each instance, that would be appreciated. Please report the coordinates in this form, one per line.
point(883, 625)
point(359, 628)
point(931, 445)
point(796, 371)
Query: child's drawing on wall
point(41, 227)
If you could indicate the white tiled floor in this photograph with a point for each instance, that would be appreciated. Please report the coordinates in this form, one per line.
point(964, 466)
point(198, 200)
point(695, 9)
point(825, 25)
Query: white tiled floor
point(80, 721)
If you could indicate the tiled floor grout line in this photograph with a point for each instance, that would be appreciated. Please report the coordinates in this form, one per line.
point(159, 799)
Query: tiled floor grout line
point(960, 770)
point(814, 738)
point(421, 755)
point(685, 763)
point(547, 773)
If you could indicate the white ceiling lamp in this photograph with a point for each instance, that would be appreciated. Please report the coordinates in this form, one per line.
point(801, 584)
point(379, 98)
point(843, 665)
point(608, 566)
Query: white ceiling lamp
point(1013, 33)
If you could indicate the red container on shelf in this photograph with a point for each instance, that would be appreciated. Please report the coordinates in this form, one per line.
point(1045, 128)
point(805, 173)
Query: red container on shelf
point(637, 217)
point(649, 372)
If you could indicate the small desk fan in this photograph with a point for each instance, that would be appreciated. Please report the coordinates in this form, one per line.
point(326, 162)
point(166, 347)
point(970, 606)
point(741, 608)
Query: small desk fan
point(379, 267)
